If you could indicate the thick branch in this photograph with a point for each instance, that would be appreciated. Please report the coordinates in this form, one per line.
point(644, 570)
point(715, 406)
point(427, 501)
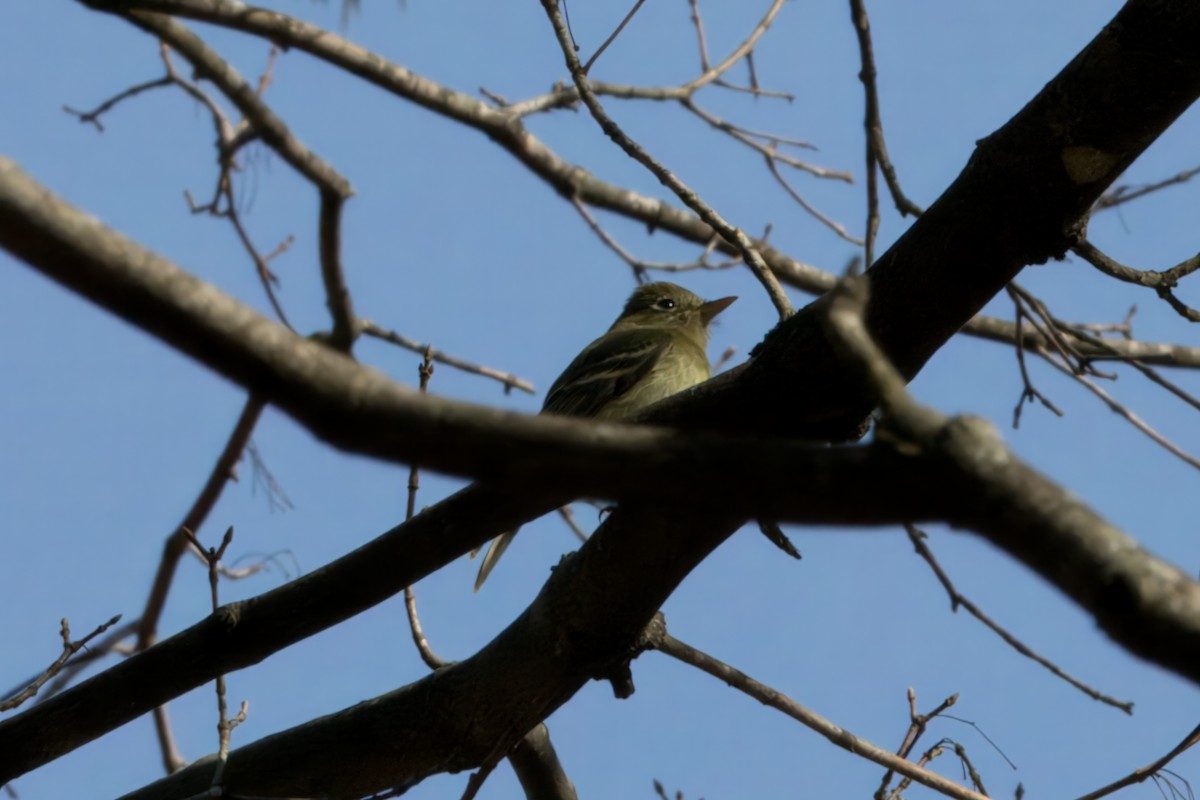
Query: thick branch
point(355, 408)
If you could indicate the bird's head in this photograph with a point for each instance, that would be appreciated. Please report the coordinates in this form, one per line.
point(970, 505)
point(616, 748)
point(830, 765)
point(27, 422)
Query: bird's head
point(666, 305)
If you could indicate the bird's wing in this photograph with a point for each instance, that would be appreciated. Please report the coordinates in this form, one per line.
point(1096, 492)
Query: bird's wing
point(604, 371)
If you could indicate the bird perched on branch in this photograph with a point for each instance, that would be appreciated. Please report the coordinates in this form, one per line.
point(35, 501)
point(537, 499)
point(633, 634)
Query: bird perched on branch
point(657, 347)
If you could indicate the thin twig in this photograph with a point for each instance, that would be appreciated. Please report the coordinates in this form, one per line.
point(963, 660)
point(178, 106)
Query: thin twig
point(111, 642)
point(509, 380)
point(333, 188)
point(225, 725)
point(93, 116)
point(702, 40)
point(562, 96)
point(431, 659)
point(612, 36)
point(876, 144)
point(1121, 410)
point(177, 542)
point(957, 600)
point(1036, 310)
point(833, 225)
point(770, 148)
point(70, 648)
point(739, 52)
point(734, 236)
point(641, 267)
point(1123, 194)
point(168, 748)
point(916, 728)
point(264, 80)
point(835, 734)
point(1163, 282)
point(1030, 392)
point(1072, 363)
point(262, 478)
point(1149, 771)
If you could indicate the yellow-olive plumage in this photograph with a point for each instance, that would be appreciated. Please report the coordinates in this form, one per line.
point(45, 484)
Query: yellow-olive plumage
point(657, 347)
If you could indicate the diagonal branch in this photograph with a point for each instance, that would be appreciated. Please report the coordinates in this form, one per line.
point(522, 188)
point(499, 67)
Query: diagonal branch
point(681, 651)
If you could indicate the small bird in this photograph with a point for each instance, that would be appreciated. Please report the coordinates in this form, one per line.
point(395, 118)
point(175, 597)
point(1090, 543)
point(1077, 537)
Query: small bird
point(657, 347)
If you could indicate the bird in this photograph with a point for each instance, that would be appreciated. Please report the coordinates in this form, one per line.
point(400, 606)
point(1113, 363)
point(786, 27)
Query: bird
point(658, 346)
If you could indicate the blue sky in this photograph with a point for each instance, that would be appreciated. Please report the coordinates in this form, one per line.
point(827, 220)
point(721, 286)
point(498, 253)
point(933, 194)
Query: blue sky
point(106, 435)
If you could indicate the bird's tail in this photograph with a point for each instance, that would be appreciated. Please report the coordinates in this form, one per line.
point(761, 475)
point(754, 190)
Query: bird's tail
point(494, 551)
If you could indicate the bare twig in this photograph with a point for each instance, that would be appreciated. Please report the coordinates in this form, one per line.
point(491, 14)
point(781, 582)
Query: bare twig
point(225, 724)
point(112, 642)
point(873, 123)
point(168, 748)
point(739, 52)
point(612, 36)
point(1099, 348)
point(1030, 392)
point(1163, 282)
point(431, 659)
point(93, 116)
point(235, 573)
point(957, 600)
point(271, 129)
point(263, 478)
point(769, 144)
point(1149, 771)
point(563, 96)
point(1154, 376)
point(734, 236)
point(230, 138)
point(1067, 358)
point(509, 380)
point(701, 39)
point(839, 736)
point(916, 728)
point(641, 267)
point(178, 541)
point(333, 188)
point(1052, 330)
point(1123, 194)
point(833, 225)
point(264, 80)
point(1122, 411)
point(70, 648)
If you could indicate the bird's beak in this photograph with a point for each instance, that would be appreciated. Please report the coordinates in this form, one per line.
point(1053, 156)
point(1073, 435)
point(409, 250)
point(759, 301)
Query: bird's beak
point(713, 307)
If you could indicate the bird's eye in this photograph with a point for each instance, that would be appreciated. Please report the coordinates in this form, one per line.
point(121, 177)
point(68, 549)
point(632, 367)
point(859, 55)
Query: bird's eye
point(665, 304)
